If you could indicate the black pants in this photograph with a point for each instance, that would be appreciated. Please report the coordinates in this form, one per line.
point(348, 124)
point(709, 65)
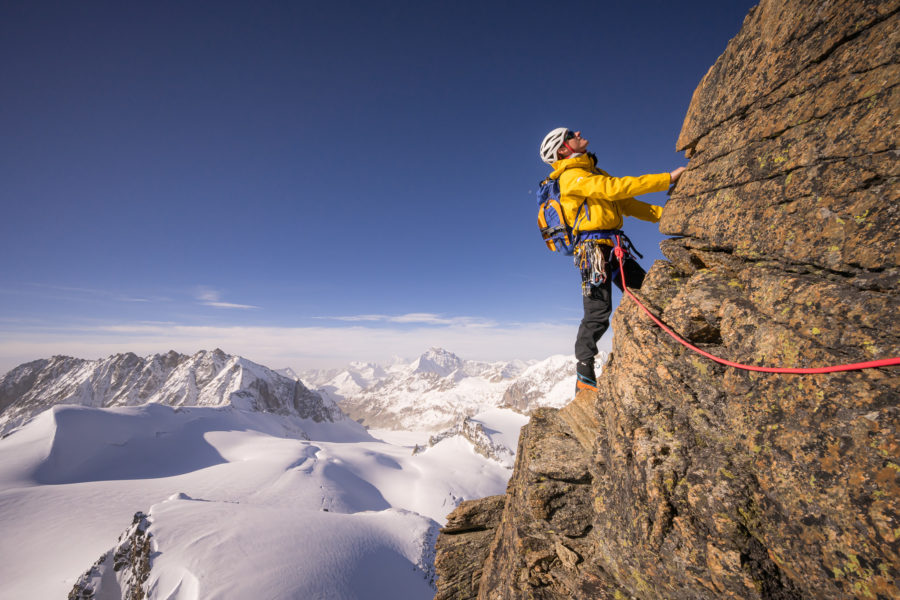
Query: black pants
point(598, 306)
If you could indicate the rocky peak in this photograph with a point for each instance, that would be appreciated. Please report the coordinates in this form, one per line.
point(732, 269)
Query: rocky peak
point(683, 478)
point(438, 361)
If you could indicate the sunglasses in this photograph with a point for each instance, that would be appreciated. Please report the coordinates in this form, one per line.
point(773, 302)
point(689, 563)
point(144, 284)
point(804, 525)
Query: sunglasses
point(569, 136)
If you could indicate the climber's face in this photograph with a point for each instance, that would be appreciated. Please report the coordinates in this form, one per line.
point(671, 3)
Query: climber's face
point(573, 143)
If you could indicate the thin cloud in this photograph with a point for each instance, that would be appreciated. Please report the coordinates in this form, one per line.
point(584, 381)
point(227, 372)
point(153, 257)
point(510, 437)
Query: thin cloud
point(70, 293)
point(228, 305)
point(144, 299)
point(69, 288)
point(210, 297)
point(414, 319)
point(357, 318)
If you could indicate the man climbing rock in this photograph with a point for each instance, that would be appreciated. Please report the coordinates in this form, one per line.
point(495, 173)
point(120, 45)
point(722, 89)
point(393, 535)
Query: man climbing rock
point(594, 204)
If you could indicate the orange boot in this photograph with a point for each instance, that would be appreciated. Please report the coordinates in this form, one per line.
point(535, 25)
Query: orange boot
point(586, 385)
point(585, 379)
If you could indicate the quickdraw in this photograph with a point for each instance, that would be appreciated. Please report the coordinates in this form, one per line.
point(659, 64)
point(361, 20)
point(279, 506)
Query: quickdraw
point(590, 261)
point(596, 268)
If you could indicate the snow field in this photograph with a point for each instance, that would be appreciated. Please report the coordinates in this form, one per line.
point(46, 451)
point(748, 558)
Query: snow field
point(241, 504)
point(283, 552)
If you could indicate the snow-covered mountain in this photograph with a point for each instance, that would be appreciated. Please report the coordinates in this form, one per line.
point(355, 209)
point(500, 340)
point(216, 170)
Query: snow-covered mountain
point(546, 383)
point(438, 389)
point(208, 378)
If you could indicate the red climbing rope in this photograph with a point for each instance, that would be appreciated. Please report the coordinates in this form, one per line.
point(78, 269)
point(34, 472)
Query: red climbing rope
point(887, 362)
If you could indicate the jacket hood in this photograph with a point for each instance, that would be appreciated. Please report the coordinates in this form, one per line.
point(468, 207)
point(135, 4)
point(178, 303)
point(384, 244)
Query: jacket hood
point(583, 161)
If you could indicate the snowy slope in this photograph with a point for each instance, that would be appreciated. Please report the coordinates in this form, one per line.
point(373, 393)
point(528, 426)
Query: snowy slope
point(238, 504)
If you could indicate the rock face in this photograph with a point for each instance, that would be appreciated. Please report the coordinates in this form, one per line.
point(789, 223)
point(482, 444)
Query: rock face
point(463, 546)
point(686, 479)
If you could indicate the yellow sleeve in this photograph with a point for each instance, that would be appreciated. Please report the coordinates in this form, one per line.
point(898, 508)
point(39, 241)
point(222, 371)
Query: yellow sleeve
point(617, 188)
point(641, 210)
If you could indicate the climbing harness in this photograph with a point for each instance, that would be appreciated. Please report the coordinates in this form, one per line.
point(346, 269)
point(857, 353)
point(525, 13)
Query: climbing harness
point(591, 262)
point(887, 362)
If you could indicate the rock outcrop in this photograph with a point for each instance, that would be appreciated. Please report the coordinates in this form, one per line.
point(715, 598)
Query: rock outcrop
point(482, 444)
point(686, 479)
point(463, 545)
point(123, 571)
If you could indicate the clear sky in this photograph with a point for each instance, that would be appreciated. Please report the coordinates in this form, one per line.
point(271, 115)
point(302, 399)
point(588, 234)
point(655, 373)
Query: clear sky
point(308, 183)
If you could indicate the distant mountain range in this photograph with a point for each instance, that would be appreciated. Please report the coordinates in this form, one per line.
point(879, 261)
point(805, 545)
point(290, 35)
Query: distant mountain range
point(439, 389)
point(436, 391)
point(207, 378)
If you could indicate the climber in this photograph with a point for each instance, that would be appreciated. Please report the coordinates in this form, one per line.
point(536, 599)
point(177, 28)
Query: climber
point(594, 204)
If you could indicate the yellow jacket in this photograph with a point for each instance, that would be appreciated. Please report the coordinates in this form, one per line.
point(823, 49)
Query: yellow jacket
point(609, 199)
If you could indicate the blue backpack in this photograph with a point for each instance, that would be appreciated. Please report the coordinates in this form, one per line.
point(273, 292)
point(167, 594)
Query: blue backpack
point(557, 233)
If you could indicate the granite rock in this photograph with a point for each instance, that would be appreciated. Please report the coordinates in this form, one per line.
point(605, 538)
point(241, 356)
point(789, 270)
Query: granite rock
point(463, 545)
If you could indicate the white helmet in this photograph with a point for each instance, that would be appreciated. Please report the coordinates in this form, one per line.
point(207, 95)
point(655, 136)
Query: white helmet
point(553, 141)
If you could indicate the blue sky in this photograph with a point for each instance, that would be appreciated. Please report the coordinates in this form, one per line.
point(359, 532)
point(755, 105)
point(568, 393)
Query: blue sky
point(310, 183)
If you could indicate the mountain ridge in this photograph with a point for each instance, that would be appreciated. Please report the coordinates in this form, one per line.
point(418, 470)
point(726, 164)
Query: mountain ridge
point(206, 378)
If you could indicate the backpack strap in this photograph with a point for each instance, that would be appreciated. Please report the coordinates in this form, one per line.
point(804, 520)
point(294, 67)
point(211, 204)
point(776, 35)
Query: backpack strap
point(581, 212)
point(546, 230)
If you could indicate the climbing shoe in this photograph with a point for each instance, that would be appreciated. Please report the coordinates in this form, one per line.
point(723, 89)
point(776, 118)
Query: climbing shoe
point(584, 385)
point(585, 379)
